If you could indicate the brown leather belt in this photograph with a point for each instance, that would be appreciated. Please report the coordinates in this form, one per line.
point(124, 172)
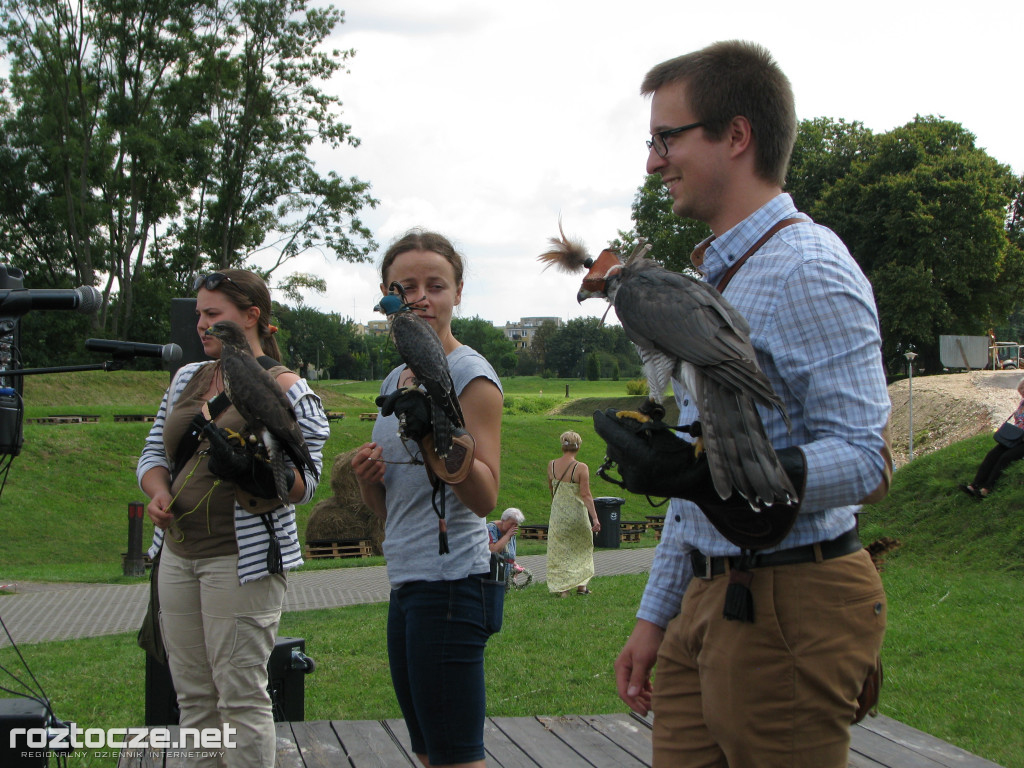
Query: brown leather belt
point(708, 567)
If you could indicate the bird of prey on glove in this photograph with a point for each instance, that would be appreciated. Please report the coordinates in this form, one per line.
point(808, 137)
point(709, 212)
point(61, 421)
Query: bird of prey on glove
point(421, 350)
point(685, 329)
point(262, 405)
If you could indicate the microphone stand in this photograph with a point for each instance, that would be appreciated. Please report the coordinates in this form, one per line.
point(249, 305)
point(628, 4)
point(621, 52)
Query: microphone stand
point(110, 365)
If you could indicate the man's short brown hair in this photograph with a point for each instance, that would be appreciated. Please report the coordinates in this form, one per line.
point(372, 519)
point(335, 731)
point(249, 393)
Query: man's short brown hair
point(733, 78)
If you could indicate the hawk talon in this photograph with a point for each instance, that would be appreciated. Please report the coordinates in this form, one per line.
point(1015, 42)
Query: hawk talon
point(237, 436)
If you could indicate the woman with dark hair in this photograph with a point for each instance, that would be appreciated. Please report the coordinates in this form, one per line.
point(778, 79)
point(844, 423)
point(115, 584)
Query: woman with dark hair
point(443, 606)
point(223, 545)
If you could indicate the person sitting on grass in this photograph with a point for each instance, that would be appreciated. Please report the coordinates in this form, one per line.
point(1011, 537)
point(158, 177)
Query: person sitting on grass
point(999, 458)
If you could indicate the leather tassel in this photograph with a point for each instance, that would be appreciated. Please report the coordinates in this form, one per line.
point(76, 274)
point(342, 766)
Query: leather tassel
point(739, 601)
point(442, 537)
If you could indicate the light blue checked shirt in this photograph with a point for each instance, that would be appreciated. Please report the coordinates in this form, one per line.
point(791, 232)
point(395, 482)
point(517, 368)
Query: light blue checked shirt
point(814, 327)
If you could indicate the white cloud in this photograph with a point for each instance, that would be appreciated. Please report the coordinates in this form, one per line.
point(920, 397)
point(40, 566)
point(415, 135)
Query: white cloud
point(487, 121)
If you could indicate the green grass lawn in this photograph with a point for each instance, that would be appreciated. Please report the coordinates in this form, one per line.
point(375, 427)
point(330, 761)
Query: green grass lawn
point(953, 652)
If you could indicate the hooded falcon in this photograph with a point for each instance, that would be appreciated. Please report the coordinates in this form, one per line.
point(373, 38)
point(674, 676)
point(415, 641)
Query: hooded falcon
point(685, 329)
point(262, 405)
point(421, 350)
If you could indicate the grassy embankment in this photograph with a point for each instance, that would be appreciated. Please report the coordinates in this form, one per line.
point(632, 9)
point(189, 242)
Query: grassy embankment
point(953, 651)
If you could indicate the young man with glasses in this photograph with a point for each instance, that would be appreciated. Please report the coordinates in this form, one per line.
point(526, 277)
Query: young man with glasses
point(778, 687)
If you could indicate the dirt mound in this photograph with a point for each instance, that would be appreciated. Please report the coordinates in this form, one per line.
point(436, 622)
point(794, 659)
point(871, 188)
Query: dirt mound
point(949, 408)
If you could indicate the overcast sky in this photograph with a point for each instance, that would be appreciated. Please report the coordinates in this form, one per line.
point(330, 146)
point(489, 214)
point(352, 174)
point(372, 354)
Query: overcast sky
point(487, 121)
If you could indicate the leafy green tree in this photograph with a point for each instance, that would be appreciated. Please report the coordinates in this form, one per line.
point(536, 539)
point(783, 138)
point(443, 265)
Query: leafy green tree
point(488, 340)
point(671, 238)
point(541, 339)
point(567, 348)
point(593, 367)
point(923, 211)
point(822, 155)
point(168, 133)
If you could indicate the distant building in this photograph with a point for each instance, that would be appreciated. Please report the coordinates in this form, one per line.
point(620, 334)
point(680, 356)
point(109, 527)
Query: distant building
point(521, 333)
point(377, 327)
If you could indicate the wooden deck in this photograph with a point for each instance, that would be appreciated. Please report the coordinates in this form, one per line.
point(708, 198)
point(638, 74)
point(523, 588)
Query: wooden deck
point(588, 741)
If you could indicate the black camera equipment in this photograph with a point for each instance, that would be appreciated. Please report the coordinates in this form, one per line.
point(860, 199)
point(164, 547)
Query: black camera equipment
point(16, 301)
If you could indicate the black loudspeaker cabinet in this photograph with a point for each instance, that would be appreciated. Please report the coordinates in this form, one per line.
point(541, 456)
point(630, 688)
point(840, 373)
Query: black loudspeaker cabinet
point(21, 713)
point(286, 673)
point(184, 334)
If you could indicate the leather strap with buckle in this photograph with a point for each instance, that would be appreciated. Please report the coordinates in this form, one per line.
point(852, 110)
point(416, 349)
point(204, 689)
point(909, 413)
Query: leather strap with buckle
point(708, 567)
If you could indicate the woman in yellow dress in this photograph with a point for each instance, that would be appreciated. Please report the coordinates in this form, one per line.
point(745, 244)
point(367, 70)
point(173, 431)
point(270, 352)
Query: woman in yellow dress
point(572, 523)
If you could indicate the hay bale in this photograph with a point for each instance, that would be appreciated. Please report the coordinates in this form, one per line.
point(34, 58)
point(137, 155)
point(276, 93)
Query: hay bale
point(343, 479)
point(344, 515)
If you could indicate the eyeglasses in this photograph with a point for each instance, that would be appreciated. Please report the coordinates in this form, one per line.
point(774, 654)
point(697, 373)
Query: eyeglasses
point(212, 281)
point(657, 142)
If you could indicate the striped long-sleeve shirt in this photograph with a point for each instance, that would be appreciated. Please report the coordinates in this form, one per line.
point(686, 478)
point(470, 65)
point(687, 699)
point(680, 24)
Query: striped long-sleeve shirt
point(250, 531)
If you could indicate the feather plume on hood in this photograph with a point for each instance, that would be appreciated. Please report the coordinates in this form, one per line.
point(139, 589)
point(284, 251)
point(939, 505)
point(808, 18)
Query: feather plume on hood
point(567, 255)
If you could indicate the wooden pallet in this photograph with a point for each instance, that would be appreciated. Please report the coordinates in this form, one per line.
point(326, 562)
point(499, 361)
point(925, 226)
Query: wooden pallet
point(316, 550)
point(539, 532)
point(335, 415)
point(631, 536)
point(145, 559)
point(368, 416)
point(67, 419)
point(134, 417)
point(633, 525)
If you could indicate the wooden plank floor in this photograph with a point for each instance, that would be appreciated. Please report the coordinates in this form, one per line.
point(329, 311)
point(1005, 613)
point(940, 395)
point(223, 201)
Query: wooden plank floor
point(587, 741)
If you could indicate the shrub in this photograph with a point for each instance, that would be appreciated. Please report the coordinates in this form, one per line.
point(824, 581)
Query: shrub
point(637, 387)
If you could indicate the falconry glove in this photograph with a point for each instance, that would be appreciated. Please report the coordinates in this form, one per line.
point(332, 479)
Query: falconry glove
point(412, 408)
point(239, 465)
point(653, 461)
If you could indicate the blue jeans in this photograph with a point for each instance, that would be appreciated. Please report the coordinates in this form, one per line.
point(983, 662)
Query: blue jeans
point(437, 631)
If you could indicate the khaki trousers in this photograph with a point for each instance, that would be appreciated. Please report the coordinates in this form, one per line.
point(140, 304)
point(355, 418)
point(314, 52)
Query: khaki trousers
point(780, 692)
point(219, 635)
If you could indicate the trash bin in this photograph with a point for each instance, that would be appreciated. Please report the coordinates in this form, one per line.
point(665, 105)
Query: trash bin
point(607, 508)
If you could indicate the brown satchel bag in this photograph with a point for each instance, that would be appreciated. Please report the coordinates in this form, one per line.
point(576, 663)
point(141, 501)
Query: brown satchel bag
point(867, 700)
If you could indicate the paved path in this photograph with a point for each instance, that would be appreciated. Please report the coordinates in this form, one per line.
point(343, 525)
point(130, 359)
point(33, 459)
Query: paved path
point(38, 613)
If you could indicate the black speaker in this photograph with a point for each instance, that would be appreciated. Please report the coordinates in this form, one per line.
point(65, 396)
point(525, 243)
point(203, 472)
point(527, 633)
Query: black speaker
point(184, 334)
point(286, 684)
point(22, 713)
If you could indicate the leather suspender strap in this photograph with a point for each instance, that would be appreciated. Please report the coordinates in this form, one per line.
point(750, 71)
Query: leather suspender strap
point(742, 260)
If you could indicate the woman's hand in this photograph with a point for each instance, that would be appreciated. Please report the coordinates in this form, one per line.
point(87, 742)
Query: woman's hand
point(367, 464)
point(596, 527)
point(159, 509)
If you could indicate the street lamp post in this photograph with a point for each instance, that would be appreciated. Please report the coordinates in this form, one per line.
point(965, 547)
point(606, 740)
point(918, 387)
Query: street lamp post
point(910, 390)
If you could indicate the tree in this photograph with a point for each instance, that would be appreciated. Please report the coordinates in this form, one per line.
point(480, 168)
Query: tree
point(539, 344)
point(488, 340)
point(824, 151)
point(672, 238)
point(173, 133)
point(923, 211)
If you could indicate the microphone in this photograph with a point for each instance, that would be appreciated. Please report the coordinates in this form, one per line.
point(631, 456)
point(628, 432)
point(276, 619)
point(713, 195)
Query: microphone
point(17, 302)
point(125, 350)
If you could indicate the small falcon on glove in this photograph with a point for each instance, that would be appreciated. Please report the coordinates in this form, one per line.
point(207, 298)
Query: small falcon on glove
point(434, 420)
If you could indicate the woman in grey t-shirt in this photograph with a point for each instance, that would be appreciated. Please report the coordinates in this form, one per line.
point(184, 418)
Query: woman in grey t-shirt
point(443, 606)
